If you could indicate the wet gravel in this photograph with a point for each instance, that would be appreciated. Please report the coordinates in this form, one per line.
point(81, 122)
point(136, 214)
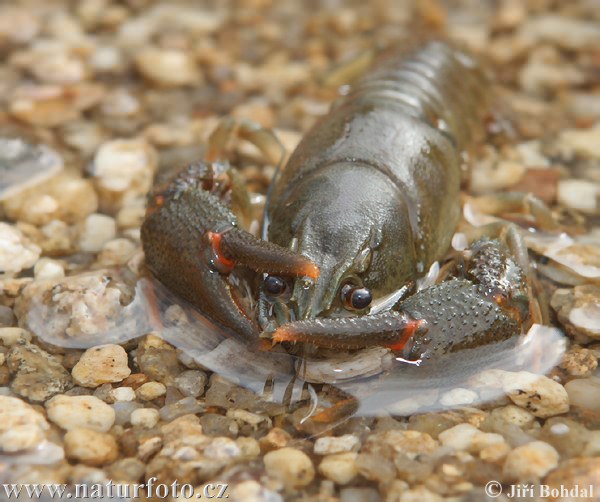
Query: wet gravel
point(100, 97)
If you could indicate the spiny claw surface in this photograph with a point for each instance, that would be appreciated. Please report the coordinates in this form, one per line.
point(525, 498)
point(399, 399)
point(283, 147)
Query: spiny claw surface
point(391, 329)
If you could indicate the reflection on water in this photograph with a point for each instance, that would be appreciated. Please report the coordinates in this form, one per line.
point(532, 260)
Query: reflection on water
point(114, 306)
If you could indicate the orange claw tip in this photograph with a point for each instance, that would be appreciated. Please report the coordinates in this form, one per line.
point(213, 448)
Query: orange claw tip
point(308, 269)
point(407, 333)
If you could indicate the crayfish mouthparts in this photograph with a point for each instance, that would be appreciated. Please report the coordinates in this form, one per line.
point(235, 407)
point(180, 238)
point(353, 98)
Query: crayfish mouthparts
point(235, 246)
point(396, 330)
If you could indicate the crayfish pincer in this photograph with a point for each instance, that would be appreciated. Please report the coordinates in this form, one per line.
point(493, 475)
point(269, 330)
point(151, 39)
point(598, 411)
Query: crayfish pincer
point(366, 204)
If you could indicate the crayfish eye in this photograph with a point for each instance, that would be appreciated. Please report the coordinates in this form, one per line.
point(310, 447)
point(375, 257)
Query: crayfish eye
point(274, 285)
point(356, 298)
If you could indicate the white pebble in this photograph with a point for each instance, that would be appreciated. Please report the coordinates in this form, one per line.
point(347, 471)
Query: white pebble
point(17, 252)
point(290, 466)
point(339, 468)
point(123, 394)
point(341, 444)
point(72, 412)
point(144, 417)
point(583, 393)
point(97, 230)
point(469, 438)
point(538, 394)
point(579, 194)
point(530, 461)
point(151, 390)
point(21, 426)
point(47, 268)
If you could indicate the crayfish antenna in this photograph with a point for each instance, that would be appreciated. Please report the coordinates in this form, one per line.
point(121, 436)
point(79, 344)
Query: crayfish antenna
point(243, 248)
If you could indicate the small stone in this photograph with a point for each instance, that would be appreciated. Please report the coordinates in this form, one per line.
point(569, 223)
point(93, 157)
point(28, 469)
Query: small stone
point(23, 165)
point(123, 394)
point(578, 310)
point(290, 466)
point(274, 439)
point(151, 390)
point(218, 425)
point(458, 397)
point(18, 25)
point(124, 410)
point(102, 364)
point(123, 170)
point(530, 461)
point(144, 417)
point(469, 438)
point(12, 336)
point(36, 375)
point(252, 491)
point(158, 360)
point(182, 407)
point(21, 426)
point(91, 447)
point(249, 447)
point(332, 445)
point(583, 473)
point(582, 195)
point(168, 67)
point(512, 414)
point(339, 468)
point(116, 252)
point(97, 230)
point(17, 252)
point(583, 393)
point(46, 268)
point(538, 394)
point(419, 494)
point(130, 470)
point(356, 494)
point(191, 383)
point(578, 362)
point(72, 412)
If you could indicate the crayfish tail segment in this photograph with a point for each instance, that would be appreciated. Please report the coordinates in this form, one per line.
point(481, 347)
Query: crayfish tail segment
point(243, 248)
point(396, 330)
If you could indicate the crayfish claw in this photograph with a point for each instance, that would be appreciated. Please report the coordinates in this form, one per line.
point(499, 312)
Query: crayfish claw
point(243, 248)
point(396, 330)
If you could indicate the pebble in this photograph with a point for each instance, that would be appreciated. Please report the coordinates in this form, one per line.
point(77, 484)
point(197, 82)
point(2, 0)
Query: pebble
point(123, 411)
point(458, 397)
point(583, 393)
point(46, 268)
point(64, 197)
point(36, 375)
point(23, 165)
point(18, 25)
point(332, 445)
point(512, 414)
point(538, 394)
point(72, 412)
point(96, 231)
point(290, 466)
point(468, 438)
point(123, 170)
point(123, 394)
point(578, 362)
point(274, 439)
point(530, 462)
point(582, 195)
point(581, 472)
point(578, 309)
point(252, 491)
point(12, 336)
point(566, 32)
point(355, 494)
point(90, 447)
point(17, 252)
point(102, 364)
point(340, 468)
point(191, 382)
point(144, 417)
point(182, 407)
point(151, 390)
point(168, 67)
point(21, 426)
